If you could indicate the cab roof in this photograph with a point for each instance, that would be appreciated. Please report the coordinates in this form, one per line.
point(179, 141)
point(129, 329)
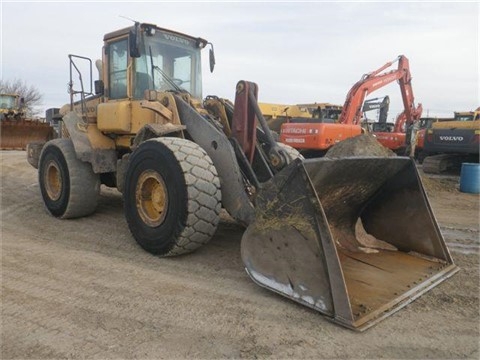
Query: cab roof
point(125, 31)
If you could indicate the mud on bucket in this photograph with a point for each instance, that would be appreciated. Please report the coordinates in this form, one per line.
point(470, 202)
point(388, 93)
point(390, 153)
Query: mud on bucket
point(470, 178)
point(353, 238)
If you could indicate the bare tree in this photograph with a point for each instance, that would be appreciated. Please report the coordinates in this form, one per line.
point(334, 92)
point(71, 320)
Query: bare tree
point(31, 95)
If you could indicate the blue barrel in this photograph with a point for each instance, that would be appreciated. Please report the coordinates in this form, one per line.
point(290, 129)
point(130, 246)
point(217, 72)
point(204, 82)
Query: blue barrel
point(470, 178)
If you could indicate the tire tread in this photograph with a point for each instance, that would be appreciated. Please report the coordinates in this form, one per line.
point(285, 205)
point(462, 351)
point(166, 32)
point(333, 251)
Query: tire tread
point(84, 183)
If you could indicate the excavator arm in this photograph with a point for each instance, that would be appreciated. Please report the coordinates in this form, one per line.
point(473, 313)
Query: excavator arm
point(315, 138)
point(416, 114)
point(377, 104)
point(352, 109)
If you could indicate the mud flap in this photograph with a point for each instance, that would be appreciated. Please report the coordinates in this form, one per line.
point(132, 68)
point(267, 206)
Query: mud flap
point(353, 238)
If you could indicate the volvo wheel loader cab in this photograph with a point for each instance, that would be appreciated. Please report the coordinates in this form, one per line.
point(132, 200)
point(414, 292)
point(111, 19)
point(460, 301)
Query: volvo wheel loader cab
point(178, 161)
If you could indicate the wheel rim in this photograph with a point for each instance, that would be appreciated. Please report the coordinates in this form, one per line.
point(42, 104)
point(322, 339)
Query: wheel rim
point(53, 181)
point(151, 198)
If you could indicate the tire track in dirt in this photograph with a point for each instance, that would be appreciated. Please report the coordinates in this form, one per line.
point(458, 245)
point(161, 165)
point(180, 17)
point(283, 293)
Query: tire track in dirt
point(84, 289)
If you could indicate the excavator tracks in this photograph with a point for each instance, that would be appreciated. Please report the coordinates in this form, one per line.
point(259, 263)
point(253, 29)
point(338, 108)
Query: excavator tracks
point(442, 163)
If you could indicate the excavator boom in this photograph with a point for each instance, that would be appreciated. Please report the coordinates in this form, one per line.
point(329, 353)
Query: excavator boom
point(326, 135)
point(395, 138)
point(373, 81)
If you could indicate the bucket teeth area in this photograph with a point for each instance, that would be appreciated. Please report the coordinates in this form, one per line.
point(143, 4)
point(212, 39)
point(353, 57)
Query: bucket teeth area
point(353, 238)
point(375, 280)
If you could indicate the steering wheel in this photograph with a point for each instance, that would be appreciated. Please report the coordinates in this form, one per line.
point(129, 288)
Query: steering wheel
point(177, 81)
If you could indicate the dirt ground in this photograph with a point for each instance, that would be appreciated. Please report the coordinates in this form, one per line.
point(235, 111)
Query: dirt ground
point(84, 289)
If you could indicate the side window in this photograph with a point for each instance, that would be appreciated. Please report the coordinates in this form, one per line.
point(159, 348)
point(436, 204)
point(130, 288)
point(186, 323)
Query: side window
point(118, 61)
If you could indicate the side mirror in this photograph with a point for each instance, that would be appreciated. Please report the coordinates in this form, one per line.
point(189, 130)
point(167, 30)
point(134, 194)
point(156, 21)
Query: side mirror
point(134, 41)
point(211, 54)
point(99, 87)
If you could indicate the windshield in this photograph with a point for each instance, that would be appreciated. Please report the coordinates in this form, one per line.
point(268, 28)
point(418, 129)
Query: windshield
point(168, 62)
point(327, 114)
point(464, 116)
point(8, 102)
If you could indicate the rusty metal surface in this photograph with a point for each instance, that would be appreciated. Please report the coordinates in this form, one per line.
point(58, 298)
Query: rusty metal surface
point(16, 134)
point(385, 193)
point(379, 282)
point(305, 242)
point(289, 248)
point(244, 120)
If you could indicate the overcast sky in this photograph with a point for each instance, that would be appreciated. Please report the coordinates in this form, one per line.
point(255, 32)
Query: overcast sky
point(297, 52)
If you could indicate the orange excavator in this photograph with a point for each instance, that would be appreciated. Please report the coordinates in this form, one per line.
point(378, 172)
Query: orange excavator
point(415, 137)
point(317, 138)
point(394, 136)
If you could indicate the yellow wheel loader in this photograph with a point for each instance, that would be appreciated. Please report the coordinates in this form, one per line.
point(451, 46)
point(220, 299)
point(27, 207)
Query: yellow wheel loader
point(16, 130)
point(178, 161)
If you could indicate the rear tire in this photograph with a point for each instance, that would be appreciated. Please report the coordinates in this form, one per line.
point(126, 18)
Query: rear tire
point(69, 187)
point(172, 196)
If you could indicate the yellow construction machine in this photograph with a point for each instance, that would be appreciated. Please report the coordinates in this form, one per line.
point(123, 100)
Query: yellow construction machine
point(449, 143)
point(277, 114)
point(178, 160)
point(16, 129)
point(324, 112)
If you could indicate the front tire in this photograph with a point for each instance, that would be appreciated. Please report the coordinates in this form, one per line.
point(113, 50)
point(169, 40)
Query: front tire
point(172, 196)
point(69, 187)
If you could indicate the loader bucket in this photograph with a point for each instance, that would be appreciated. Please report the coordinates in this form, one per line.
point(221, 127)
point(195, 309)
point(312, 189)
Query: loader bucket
point(353, 238)
point(16, 134)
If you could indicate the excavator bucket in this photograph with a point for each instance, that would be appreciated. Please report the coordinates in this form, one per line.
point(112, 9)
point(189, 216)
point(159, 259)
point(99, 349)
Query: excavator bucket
point(16, 134)
point(353, 238)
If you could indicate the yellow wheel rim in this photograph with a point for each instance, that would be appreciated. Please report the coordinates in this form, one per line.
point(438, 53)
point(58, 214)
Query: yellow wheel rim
point(53, 181)
point(151, 198)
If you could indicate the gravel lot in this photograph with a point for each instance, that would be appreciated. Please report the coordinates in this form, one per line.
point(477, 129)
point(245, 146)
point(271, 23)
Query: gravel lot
point(84, 289)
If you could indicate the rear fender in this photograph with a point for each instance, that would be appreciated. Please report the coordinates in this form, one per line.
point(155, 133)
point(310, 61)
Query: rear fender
point(150, 131)
point(90, 144)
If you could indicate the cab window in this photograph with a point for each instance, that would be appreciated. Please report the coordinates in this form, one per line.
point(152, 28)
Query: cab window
point(118, 61)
